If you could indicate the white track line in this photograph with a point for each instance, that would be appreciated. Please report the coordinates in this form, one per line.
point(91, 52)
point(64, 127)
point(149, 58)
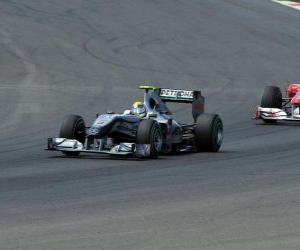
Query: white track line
point(289, 4)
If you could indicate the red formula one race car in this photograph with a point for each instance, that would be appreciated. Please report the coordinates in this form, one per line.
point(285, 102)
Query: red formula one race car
point(275, 108)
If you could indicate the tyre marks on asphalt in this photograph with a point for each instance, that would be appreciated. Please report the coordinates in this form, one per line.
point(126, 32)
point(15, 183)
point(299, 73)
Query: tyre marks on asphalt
point(24, 104)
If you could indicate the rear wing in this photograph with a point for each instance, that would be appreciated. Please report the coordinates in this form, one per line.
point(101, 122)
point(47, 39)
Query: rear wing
point(178, 95)
point(193, 97)
point(184, 96)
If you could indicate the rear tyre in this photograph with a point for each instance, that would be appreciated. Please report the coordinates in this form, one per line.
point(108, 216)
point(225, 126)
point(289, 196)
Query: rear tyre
point(149, 132)
point(208, 133)
point(73, 127)
point(271, 98)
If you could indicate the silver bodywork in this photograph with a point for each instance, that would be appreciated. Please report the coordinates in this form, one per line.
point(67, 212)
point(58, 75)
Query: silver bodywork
point(108, 128)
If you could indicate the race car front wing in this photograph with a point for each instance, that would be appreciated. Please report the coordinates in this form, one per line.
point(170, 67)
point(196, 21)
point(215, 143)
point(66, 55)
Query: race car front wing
point(275, 114)
point(122, 149)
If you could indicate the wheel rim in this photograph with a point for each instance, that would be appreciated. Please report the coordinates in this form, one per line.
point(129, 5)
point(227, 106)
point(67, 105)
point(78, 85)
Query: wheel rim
point(157, 140)
point(219, 135)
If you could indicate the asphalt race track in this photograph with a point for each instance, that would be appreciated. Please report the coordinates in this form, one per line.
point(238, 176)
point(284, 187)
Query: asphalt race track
point(85, 57)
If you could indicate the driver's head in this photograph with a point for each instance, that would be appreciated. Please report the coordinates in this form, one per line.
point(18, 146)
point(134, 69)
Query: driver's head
point(139, 108)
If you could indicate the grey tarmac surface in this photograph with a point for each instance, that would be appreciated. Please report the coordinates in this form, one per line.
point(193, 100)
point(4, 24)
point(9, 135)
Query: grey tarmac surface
point(84, 57)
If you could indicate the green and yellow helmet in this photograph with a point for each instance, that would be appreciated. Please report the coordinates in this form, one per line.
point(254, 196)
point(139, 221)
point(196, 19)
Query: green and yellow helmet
point(138, 108)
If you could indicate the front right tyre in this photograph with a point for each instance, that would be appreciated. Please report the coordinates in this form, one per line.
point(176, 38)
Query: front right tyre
point(73, 127)
point(271, 98)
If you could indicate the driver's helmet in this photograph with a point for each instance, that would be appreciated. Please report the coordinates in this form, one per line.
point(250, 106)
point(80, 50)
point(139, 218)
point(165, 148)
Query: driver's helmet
point(138, 108)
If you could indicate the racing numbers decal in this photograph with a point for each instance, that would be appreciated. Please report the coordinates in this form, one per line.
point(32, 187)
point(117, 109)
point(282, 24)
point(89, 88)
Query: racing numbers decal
point(175, 93)
point(186, 94)
point(168, 93)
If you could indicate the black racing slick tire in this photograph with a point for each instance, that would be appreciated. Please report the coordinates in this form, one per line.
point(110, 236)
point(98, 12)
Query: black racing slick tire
point(73, 127)
point(208, 133)
point(149, 132)
point(271, 98)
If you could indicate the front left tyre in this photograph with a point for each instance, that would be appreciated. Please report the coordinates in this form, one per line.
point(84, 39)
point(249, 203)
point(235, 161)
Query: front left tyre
point(73, 127)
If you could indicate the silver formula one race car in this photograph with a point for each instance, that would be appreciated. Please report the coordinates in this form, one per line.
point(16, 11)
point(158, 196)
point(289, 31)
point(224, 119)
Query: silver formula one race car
point(275, 108)
point(147, 130)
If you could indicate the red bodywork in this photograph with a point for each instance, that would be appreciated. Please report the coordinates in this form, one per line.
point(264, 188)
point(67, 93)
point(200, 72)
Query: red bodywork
point(293, 92)
point(296, 99)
